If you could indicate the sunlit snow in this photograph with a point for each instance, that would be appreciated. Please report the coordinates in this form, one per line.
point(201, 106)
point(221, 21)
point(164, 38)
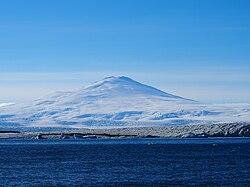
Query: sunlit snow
point(120, 101)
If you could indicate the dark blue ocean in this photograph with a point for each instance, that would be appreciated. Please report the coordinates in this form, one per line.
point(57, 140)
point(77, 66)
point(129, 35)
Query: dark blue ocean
point(125, 162)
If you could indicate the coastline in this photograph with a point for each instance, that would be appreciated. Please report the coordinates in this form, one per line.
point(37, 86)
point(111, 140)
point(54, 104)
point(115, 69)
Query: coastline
point(241, 129)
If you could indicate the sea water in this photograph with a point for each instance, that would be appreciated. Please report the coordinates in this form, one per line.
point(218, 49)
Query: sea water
point(125, 162)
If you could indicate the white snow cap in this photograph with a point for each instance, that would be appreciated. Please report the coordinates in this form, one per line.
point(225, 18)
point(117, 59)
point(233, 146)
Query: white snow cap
point(121, 85)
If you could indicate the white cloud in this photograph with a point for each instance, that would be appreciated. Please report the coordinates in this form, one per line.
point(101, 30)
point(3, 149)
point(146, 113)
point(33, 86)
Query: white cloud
point(6, 104)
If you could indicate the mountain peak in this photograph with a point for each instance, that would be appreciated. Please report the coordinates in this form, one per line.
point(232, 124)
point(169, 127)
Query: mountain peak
point(117, 78)
point(122, 85)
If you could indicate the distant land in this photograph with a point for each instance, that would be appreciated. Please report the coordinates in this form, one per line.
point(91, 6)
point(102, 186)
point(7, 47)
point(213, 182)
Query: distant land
point(118, 102)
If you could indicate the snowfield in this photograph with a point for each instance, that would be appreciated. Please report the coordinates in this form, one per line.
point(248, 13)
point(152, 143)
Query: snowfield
point(118, 101)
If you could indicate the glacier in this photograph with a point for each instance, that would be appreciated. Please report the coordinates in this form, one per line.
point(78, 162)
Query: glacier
point(115, 102)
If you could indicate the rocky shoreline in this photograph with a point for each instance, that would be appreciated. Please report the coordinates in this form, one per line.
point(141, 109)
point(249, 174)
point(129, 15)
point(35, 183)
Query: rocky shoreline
point(186, 131)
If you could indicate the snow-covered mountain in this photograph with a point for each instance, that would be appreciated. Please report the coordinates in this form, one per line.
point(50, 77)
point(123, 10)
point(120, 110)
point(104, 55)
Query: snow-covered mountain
point(119, 101)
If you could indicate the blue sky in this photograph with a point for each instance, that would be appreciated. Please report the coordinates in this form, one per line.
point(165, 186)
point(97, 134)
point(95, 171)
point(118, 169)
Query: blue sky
point(196, 49)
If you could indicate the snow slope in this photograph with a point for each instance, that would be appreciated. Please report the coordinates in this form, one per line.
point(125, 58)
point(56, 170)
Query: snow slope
point(119, 101)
